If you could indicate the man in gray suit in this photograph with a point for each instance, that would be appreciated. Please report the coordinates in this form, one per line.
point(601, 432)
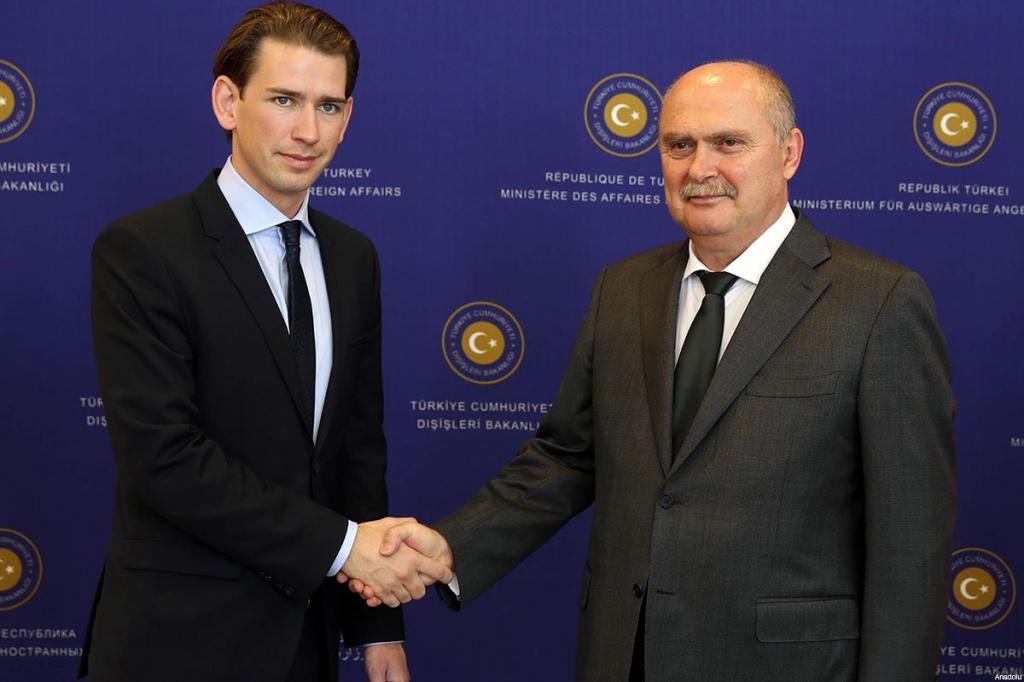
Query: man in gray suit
point(801, 529)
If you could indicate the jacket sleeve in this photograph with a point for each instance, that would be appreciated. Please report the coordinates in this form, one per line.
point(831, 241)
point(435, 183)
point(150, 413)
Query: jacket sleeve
point(548, 482)
point(905, 409)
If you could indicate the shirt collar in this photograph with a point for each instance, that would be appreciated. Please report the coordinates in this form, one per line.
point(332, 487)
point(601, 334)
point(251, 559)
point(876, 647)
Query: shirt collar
point(253, 211)
point(752, 263)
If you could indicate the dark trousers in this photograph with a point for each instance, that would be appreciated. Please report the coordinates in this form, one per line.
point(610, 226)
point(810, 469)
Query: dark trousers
point(310, 664)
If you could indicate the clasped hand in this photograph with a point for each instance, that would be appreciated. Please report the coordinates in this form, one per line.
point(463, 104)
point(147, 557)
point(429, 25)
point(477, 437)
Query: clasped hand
point(393, 561)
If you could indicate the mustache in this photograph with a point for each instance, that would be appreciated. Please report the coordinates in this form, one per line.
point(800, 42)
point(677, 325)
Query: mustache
point(714, 188)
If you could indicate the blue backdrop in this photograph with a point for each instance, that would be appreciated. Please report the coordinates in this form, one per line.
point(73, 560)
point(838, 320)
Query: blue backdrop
point(475, 164)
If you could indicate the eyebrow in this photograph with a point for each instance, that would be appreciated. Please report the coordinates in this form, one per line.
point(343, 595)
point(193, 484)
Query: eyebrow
point(728, 134)
point(298, 95)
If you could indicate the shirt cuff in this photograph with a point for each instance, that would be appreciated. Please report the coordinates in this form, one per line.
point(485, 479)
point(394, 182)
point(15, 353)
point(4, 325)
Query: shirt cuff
point(346, 548)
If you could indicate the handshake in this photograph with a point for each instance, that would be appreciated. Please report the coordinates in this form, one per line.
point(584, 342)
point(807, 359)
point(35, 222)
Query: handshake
point(393, 561)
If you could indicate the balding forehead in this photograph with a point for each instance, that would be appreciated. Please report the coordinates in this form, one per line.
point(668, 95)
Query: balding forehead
point(718, 74)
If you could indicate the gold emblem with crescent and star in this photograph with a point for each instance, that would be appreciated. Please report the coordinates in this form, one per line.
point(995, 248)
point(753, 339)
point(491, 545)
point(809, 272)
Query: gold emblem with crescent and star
point(10, 570)
point(974, 588)
point(955, 124)
point(625, 115)
point(483, 343)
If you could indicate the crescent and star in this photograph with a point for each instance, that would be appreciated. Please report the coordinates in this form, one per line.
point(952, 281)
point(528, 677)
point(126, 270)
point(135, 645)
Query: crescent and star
point(471, 342)
point(614, 115)
point(967, 595)
point(944, 124)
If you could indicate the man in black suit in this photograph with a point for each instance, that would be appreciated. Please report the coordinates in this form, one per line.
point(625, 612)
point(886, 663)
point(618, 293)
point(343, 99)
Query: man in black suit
point(237, 335)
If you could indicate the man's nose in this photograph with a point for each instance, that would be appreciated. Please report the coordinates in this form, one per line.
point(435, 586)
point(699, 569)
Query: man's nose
point(702, 164)
point(306, 125)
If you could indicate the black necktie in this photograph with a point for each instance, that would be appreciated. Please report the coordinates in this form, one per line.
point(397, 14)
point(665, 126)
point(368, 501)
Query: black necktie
point(699, 355)
point(300, 318)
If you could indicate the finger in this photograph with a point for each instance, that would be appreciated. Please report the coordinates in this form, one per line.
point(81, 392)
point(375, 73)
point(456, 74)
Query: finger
point(429, 580)
point(418, 587)
point(342, 578)
point(434, 572)
point(390, 599)
point(359, 587)
point(365, 592)
point(397, 594)
point(402, 595)
point(406, 594)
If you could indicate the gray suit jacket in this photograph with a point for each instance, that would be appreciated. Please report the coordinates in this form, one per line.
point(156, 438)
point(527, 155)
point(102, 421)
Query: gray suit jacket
point(802, 532)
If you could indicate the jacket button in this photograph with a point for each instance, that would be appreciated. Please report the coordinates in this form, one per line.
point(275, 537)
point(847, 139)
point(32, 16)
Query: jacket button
point(665, 501)
point(316, 468)
point(638, 591)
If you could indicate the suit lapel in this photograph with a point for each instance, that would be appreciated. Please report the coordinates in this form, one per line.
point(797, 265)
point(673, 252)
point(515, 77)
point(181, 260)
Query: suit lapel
point(236, 256)
point(788, 288)
point(659, 312)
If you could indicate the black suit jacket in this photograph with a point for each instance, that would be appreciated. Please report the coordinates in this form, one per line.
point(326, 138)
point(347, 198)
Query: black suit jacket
point(227, 517)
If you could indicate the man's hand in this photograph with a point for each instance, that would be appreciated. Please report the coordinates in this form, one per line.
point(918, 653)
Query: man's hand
point(394, 578)
point(403, 535)
point(386, 663)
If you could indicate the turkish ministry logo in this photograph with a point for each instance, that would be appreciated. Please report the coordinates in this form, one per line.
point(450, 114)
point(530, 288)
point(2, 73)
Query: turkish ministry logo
point(17, 102)
point(983, 590)
point(621, 114)
point(483, 343)
point(955, 124)
point(21, 569)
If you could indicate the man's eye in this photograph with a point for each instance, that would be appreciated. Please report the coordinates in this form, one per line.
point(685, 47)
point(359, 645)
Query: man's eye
point(731, 143)
point(329, 107)
point(283, 101)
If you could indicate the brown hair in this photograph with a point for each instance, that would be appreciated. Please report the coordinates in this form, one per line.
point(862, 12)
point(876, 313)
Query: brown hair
point(292, 23)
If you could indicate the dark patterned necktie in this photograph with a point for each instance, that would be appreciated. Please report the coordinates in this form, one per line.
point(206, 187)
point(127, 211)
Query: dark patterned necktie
point(699, 355)
point(300, 318)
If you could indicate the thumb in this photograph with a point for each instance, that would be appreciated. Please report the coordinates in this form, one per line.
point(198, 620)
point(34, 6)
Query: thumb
point(395, 536)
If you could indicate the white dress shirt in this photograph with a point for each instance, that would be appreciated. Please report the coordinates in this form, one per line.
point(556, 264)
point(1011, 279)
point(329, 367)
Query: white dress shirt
point(748, 267)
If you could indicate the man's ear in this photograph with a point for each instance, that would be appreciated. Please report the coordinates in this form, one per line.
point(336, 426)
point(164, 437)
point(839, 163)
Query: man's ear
point(792, 150)
point(224, 97)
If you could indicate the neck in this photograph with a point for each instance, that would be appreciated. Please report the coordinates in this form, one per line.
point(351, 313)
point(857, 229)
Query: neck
point(717, 252)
